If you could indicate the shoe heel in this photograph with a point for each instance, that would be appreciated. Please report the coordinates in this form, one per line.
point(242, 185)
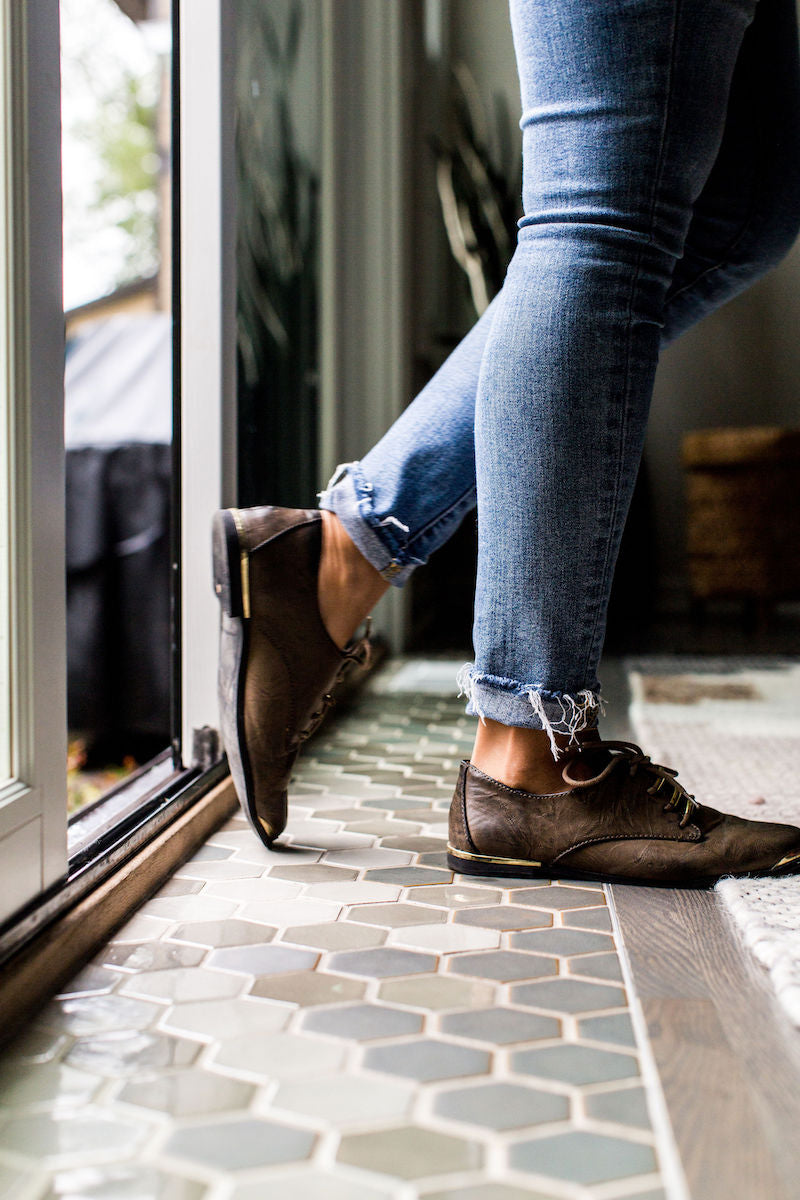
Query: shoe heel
point(498, 868)
point(230, 563)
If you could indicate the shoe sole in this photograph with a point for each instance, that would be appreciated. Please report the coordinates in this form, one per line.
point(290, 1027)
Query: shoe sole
point(488, 866)
point(231, 585)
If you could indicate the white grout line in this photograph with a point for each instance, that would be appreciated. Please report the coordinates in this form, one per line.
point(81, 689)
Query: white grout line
point(671, 1167)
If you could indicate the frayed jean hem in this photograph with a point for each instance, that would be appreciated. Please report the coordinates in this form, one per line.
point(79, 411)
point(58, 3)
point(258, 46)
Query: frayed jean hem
point(530, 706)
point(381, 541)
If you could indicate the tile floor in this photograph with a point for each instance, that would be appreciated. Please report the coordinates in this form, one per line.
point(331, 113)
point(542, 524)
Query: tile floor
point(341, 1018)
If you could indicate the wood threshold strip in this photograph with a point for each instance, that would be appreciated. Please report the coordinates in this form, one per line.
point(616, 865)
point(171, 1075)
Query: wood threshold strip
point(727, 1057)
point(57, 953)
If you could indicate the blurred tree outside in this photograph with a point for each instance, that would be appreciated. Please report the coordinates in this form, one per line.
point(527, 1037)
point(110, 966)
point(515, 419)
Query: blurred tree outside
point(110, 95)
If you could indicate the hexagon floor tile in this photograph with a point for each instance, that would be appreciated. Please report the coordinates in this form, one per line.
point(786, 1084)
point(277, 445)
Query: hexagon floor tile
point(342, 1016)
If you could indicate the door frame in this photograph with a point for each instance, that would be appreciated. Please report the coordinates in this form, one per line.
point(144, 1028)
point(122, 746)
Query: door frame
point(33, 801)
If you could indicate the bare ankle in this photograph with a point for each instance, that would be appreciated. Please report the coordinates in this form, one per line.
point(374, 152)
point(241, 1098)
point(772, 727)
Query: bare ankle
point(348, 586)
point(522, 758)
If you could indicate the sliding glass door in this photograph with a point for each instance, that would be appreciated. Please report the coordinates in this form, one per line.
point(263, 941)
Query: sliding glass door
point(32, 606)
point(105, 505)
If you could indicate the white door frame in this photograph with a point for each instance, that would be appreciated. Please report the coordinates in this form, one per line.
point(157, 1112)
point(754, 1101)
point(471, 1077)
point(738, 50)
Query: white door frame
point(208, 336)
point(33, 799)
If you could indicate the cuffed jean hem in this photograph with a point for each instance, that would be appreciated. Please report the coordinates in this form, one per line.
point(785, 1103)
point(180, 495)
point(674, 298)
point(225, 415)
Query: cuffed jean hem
point(529, 706)
point(349, 496)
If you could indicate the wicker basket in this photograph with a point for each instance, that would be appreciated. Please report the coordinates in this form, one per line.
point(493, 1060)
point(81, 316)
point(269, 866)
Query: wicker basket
point(743, 489)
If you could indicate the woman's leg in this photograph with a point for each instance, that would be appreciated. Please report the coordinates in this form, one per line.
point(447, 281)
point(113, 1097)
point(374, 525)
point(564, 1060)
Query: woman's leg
point(624, 109)
point(409, 493)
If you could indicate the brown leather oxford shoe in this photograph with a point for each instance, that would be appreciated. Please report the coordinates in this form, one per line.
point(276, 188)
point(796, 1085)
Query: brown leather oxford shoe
point(277, 663)
point(631, 822)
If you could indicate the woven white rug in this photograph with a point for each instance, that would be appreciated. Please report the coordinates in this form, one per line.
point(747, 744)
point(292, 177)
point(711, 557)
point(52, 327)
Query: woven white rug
point(733, 732)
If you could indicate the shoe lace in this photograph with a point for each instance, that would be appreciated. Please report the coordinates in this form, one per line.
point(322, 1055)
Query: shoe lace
point(635, 758)
point(360, 653)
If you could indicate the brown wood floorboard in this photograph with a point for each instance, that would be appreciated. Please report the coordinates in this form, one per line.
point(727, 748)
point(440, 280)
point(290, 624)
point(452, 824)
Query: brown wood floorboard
point(728, 1059)
point(727, 1056)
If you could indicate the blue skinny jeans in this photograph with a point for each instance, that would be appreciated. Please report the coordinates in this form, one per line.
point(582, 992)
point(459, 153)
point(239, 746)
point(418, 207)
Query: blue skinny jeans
point(661, 176)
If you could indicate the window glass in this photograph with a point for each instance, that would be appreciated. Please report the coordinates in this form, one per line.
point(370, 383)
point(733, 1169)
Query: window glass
point(116, 123)
point(278, 158)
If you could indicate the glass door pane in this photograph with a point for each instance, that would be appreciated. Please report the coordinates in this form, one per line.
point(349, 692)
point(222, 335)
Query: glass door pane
point(278, 166)
point(116, 124)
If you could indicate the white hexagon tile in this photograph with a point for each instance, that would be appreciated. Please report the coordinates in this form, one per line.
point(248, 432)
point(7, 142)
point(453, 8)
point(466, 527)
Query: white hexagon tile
point(342, 1018)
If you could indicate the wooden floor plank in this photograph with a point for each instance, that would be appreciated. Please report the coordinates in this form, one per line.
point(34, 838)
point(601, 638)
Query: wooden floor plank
point(728, 1059)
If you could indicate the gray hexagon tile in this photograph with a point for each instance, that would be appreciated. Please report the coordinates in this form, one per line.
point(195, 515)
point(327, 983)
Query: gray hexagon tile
point(58, 1139)
point(263, 960)
point(573, 1063)
point(155, 956)
point(383, 961)
point(277, 1056)
point(282, 914)
point(409, 876)
point(504, 916)
point(435, 993)
point(625, 1106)
point(499, 1026)
point(409, 1152)
point(343, 1100)
point(187, 1093)
point(457, 895)
point(492, 1190)
point(240, 1145)
point(94, 1014)
point(616, 1028)
point(93, 980)
point(336, 935)
point(308, 988)
point(502, 1106)
point(589, 918)
point(216, 934)
point(445, 939)
point(568, 995)
point(182, 983)
point(46, 1083)
point(558, 898)
point(127, 1182)
point(503, 965)
point(218, 1020)
point(582, 1157)
point(427, 1059)
point(560, 941)
point(392, 915)
point(340, 1015)
point(127, 1052)
point(597, 966)
point(363, 1022)
point(308, 1184)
